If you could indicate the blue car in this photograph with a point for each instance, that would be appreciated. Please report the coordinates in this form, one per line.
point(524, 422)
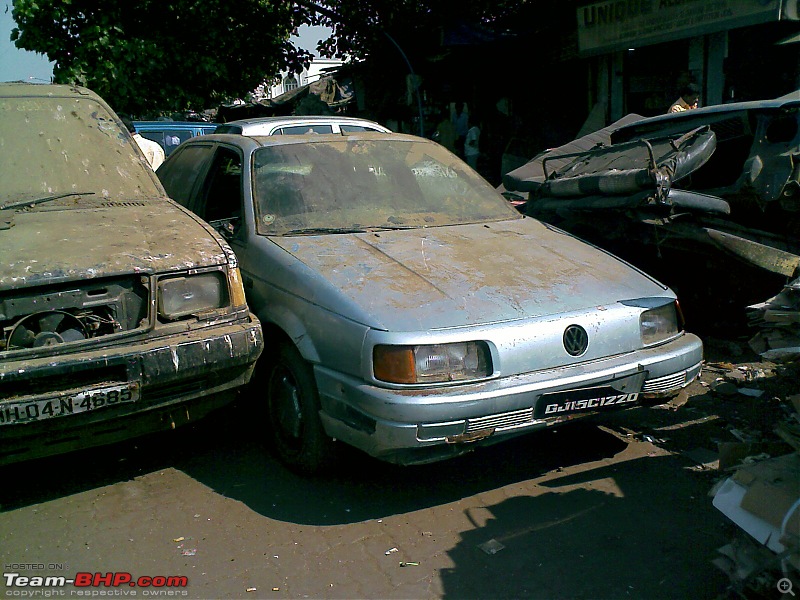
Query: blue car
point(169, 134)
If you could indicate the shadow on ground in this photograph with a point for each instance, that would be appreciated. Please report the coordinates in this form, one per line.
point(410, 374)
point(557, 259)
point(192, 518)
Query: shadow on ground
point(228, 456)
point(225, 452)
point(627, 540)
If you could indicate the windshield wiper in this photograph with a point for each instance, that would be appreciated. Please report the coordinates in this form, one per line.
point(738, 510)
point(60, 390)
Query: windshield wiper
point(44, 199)
point(313, 230)
point(397, 227)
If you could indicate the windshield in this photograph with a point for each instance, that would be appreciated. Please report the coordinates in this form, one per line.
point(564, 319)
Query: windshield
point(355, 185)
point(62, 148)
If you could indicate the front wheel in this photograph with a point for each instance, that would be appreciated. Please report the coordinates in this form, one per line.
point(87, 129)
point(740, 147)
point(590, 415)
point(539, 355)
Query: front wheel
point(298, 438)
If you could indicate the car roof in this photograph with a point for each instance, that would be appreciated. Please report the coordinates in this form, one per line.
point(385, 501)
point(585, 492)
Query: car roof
point(18, 89)
point(288, 121)
point(253, 141)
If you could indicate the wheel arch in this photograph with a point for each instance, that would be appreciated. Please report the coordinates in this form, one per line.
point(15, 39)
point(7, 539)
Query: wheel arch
point(283, 325)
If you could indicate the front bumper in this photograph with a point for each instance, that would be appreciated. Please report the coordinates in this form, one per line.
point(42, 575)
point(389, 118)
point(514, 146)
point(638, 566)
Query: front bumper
point(423, 425)
point(177, 378)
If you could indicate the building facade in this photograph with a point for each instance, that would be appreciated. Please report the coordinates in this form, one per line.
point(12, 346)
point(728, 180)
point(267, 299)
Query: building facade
point(642, 52)
point(286, 81)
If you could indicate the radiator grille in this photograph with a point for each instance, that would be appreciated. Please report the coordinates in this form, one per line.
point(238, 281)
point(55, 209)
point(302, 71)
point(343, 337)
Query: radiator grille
point(501, 421)
point(665, 384)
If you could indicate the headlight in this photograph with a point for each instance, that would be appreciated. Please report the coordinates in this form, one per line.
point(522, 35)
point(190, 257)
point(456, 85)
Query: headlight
point(432, 363)
point(658, 324)
point(181, 296)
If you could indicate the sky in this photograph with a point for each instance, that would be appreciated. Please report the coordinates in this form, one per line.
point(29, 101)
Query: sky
point(16, 64)
point(21, 65)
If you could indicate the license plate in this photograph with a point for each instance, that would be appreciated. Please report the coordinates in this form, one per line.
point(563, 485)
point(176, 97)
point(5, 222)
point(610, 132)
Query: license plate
point(588, 399)
point(64, 405)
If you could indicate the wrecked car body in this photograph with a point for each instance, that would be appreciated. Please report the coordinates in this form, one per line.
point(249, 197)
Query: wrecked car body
point(121, 313)
point(418, 314)
point(777, 322)
point(717, 187)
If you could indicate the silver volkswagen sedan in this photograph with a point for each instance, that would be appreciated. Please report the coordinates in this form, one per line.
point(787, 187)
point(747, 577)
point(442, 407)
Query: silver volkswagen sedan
point(419, 315)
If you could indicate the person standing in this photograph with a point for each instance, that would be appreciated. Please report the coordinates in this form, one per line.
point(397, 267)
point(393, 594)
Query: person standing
point(689, 99)
point(472, 144)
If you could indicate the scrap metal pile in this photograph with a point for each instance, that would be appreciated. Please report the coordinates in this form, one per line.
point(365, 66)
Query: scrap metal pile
point(778, 321)
point(708, 201)
point(762, 497)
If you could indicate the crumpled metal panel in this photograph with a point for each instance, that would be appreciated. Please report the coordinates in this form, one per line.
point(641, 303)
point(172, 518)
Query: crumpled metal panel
point(734, 214)
point(624, 169)
point(522, 178)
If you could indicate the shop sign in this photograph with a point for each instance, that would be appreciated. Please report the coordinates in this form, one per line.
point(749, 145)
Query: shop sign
point(621, 24)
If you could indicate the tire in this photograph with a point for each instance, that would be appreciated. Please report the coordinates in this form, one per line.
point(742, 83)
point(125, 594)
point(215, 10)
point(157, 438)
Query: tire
point(297, 436)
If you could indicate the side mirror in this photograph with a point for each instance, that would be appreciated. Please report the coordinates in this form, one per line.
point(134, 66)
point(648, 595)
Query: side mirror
point(227, 228)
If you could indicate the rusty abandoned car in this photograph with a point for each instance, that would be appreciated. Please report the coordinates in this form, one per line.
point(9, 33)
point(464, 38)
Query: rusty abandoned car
point(415, 313)
point(120, 311)
point(706, 200)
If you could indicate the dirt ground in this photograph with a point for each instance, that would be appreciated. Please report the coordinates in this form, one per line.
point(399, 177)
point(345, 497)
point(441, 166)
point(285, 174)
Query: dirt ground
point(617, 507)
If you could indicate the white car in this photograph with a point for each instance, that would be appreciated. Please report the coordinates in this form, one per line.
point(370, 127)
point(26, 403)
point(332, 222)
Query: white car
point(300, 125)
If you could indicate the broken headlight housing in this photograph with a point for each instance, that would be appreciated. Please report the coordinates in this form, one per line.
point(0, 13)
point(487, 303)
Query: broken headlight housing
point(432, 363)
point(191, 294)
point(660, 324)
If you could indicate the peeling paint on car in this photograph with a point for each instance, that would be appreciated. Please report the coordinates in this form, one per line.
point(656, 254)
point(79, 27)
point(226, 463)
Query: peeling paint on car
point(466, 273)
point(417, 306)
point(100, 338)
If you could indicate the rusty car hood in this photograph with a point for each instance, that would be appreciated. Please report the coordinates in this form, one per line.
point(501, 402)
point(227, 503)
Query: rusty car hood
point(463, 275)
point(48, 246)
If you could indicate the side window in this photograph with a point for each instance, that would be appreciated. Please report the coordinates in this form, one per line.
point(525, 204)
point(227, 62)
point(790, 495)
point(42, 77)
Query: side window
point(155, 136)
point(173, 138)
point(303, 129)
point(223, 196)
point(355, 128)
point(178, 175)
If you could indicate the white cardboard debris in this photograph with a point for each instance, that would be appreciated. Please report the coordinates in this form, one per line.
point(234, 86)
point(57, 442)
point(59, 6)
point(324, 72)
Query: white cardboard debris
point(728, 501)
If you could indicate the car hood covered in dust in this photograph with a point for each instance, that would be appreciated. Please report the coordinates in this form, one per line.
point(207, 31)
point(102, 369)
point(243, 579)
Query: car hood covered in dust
point(462, 275)
point(47, 246)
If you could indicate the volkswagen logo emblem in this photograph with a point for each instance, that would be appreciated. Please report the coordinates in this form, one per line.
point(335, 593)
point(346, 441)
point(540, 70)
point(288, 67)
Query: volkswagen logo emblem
point(576, 340)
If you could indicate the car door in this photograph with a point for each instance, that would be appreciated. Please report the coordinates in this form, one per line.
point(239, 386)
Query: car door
point(211, 181)
point(220, 198)
point(208, 180)
point(183, 173)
